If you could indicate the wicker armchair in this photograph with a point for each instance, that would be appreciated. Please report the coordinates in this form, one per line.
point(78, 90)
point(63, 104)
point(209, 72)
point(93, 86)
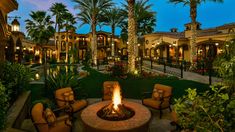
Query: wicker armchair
point(45, 120)
point(161, 98)
point(65, 100)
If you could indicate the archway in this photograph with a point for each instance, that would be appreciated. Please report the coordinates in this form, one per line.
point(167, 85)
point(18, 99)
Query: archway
point(18, 52)
point(209, 49)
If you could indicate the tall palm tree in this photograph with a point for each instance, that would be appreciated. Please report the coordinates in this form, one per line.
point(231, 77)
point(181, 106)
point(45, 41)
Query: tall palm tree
point(145, 20)
point(58, 10)
point(68, 26)
point(89, 13)
point(144, 17)
point(39, 28)
point(113, 17)
point(193, 4)
point(131, 36)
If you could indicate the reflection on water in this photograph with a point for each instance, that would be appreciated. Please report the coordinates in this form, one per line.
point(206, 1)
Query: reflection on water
point(58, 69)
point(62, 69)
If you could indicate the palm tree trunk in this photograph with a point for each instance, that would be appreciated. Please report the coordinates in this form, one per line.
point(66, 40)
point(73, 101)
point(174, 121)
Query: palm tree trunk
point(44, 66)
point(131, 37)
point(113, 46)
point(59, 45)
point(55, 34)
point(67, 47)
point(193, 15)
point(94, 42)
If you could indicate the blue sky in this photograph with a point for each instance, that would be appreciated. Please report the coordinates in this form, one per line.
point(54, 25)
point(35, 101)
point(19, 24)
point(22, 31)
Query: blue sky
point(169, 15)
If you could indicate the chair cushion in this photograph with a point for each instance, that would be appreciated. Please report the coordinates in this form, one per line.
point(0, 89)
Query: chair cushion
point(108, 89)
point(59, 95)
point(49, 116)
point(157, 94)
point(68, 96)
point(167, 89)
point(155, 103)
point(38, 117)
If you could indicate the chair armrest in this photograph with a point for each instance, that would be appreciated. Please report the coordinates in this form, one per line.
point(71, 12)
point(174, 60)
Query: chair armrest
point(146, 94)
point(62, 118)
point(40, 123)
point(66, 119)
point(166, 97)
point(61, 100)
point(169, 96)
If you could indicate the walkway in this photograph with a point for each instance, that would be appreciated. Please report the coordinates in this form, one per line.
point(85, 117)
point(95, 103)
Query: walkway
point(186, 74)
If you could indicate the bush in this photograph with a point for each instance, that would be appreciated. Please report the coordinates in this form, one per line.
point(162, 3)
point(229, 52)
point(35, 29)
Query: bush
point(3, 105)
point(118, 70)
point(206, 112)
point(15, 77)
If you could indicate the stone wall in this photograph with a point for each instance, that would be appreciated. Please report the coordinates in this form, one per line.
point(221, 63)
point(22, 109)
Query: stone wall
point(18, 112)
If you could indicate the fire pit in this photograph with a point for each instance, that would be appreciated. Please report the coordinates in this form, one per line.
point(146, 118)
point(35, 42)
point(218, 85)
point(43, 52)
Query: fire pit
point(116, 115)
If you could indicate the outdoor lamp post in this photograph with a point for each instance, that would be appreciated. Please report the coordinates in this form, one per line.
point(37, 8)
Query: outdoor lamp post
point(15, 25)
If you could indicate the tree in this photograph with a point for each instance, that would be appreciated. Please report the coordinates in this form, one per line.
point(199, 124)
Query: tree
point(89, 14)
point(193, 14)
point(144, 17)
point(131, 36)
point(40, 30)
point(225, 65)
point(58, 10)
point(113, 17)
point(68, 26)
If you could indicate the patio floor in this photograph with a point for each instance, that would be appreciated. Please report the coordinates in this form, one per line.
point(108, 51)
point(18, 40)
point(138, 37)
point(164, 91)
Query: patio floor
point(156, 124)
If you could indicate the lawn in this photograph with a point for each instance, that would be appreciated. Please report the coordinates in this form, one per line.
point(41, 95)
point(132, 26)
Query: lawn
point(131, 87)
point(134, 87)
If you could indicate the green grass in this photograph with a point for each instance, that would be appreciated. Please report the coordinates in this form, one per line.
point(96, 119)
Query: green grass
point(134, 87)
point(131, 87)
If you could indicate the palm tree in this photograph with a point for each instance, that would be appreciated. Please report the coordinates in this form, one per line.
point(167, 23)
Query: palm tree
point(144, 17)
point(131, 36)
point(40, 30)
point(89, 13)
point(113, 17)
point(58, 10)
point(68, 26)
point(193, 14)
point(145, 20)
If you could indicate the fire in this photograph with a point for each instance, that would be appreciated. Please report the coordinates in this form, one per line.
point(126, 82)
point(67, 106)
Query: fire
point(116, 97)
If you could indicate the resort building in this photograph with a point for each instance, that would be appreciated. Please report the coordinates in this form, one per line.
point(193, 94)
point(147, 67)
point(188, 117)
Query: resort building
point(71, 46)
point(175, 46)
point(6, 6)
point(14, 47)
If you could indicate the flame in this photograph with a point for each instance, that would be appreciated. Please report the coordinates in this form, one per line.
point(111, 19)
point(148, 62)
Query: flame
point(116, 97)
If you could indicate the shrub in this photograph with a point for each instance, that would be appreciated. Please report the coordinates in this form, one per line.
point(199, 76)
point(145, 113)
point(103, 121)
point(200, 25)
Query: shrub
point(225, 65)
point(15, 77)
point(206, 112)
point(119, 69)
point(3, 105)
point(56, 81)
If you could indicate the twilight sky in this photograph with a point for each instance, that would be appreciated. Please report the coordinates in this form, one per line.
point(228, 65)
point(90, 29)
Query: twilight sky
point(169, 15)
